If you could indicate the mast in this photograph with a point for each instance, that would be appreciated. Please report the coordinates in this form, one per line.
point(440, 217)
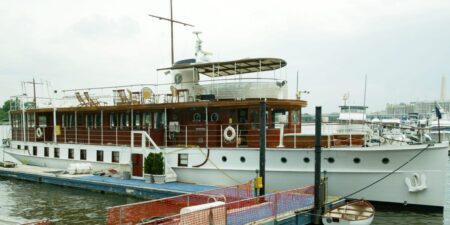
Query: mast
point(34, 89)
point(171, 20)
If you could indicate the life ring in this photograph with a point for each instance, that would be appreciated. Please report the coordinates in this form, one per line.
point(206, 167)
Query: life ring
point(231, 136)
point(382, 140)
point(38, 132)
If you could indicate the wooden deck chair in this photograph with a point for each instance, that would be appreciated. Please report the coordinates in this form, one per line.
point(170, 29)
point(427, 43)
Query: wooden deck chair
point(122, 96)
point(81, 100)
point(174, 93)
point(147, 95)
point(92, 101)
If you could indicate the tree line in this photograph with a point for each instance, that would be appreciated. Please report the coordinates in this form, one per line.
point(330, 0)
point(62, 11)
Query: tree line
point(4, 118)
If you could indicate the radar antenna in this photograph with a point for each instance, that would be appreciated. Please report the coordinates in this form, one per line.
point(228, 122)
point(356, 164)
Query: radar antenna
point(200, 55)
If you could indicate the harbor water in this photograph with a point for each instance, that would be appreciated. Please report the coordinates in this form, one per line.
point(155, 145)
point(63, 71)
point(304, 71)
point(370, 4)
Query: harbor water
point(21, 200)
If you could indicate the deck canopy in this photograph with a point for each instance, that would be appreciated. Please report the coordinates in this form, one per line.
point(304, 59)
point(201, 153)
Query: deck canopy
point(227, 68)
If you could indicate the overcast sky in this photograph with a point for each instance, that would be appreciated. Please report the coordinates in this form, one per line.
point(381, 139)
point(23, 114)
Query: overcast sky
point(402, 46)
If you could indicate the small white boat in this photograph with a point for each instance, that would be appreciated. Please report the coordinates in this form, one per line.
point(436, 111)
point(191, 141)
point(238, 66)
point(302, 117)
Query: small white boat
point(358, 212)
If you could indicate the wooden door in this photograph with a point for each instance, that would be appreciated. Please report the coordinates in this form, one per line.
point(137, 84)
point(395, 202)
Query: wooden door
point(137, 161)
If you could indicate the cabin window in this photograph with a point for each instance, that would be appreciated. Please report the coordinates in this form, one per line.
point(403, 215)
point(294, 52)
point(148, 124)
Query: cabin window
point(18, 147)
point(82, 154)
point(64, 120)
point(31, 120)
point(113, 120)
point(15, 120)
point(159, 120)
point(46, 152)
point(42, 121)
point(56, 152)
point(67, 120)
point(124, 119)
point(254, 118)
point(279, 116)
point(89, 120)
point(26, 147)
point(71, 120)
point(183, 159)
point(136, 120)
point(115, 157)
point(295, 116)
point(97, 120)
point(35, 150)
point(147, 120)
point(71, 153)
point(79, 120)
point(99, 156)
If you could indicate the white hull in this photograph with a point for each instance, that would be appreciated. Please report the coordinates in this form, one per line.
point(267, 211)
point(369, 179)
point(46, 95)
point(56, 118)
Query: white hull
point(345, 175)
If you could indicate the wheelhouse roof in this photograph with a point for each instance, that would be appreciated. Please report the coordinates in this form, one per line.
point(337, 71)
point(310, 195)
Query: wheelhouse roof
point(227, 68)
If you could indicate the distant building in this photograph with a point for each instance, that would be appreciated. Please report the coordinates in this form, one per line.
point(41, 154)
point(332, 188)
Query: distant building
point(425, 107)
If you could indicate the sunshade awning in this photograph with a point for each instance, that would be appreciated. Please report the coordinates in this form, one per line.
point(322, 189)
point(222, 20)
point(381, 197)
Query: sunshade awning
point(227, 68)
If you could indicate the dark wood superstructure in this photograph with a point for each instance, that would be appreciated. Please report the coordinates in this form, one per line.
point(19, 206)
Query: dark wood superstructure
point(199, 123)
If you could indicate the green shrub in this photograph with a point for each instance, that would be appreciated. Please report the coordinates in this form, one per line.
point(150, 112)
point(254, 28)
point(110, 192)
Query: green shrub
point(148, 163)
point(154, 164)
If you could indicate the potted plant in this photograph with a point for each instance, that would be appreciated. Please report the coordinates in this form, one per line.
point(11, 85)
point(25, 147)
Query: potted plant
point(158, 168)
point(148, 162)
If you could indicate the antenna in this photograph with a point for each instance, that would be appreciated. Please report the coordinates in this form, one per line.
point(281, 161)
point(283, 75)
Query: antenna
point(200, 55)
point(34, 89)
point(171, 20)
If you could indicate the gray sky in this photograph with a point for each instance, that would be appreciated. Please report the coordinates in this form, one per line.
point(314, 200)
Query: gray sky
point(402, 46)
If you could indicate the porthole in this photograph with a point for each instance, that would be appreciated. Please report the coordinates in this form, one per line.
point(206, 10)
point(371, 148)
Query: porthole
point(214, 117)
point(385, 160)
point(224, 158)
point(330, 160)
point(306, 160)
point(242, 159)
point(283, 160)
point(197, 117)
point(357, 160)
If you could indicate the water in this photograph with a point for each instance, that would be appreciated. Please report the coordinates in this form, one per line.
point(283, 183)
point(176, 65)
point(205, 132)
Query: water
point(29, 200)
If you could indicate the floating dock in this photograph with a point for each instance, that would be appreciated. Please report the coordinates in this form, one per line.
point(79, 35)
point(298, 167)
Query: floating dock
point(131, 187)
point(234, 205)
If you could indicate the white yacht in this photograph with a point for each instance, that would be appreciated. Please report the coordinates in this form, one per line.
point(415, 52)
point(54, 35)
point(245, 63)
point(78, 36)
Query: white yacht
point(206, 122)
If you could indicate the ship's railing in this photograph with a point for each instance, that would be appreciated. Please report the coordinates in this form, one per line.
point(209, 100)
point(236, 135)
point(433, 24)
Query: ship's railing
point(156, 93)
point(211, 135)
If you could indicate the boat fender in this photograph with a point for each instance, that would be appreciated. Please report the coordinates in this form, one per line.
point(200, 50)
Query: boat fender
point(229, 133)
point(38, 132)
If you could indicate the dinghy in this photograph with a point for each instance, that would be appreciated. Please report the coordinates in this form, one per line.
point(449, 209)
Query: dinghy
point(358, 212)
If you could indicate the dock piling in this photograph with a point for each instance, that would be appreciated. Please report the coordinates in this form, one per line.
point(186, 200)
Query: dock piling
point(317, 168)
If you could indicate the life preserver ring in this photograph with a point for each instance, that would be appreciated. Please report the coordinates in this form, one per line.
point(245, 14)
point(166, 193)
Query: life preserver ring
point(382, 140)
point(38, 132)
point(229, 133)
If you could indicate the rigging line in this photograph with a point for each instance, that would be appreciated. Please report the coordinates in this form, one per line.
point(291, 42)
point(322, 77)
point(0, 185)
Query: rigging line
point(209, 160)
point(384, 177)
point(220, 170)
